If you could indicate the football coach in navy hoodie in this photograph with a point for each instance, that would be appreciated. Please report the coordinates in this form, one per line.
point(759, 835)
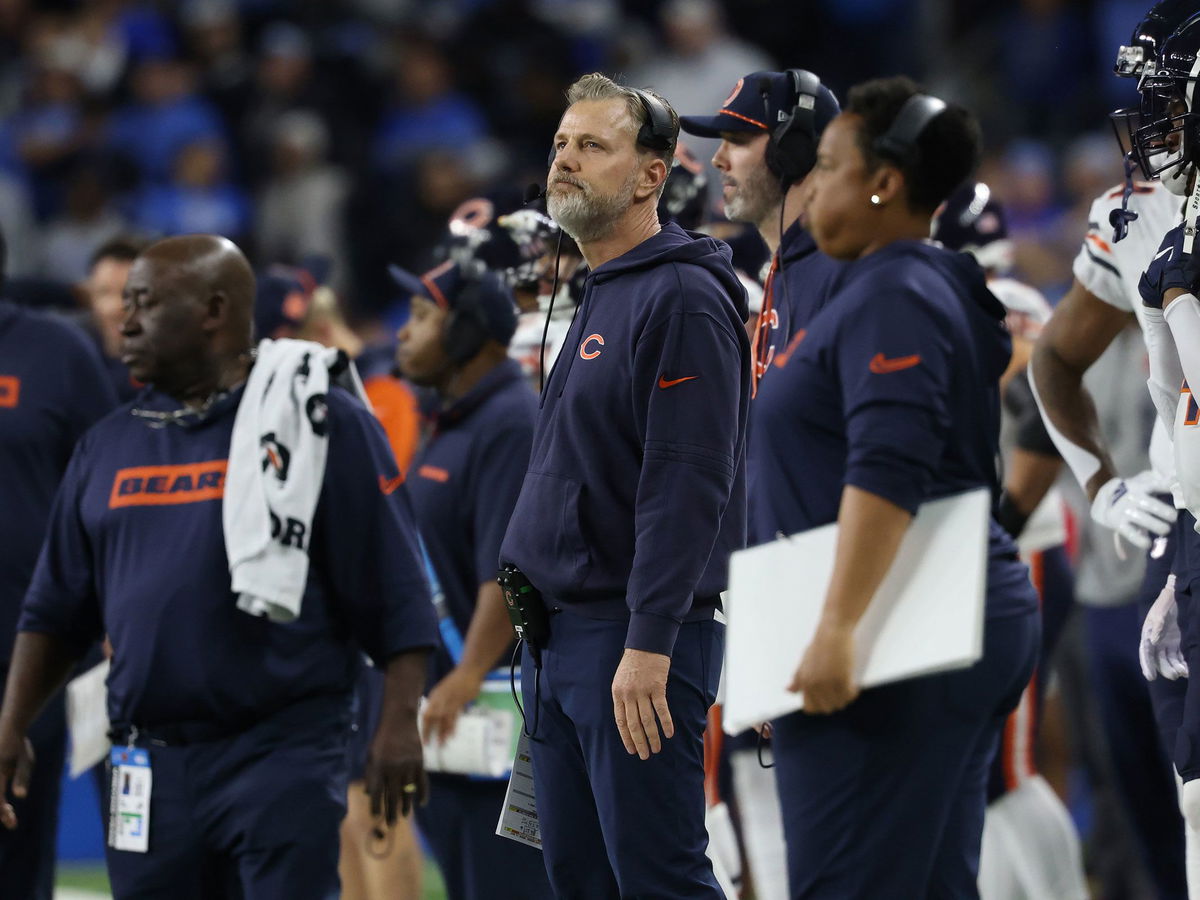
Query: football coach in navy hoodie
point(634, 499)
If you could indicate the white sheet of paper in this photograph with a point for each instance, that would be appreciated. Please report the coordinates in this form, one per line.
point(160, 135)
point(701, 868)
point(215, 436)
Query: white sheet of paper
point(926, 617)
point(519, 818)
point(87, 718)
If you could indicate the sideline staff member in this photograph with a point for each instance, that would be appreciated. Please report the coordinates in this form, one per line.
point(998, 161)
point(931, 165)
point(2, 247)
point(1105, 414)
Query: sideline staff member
point(634, 499)
point(891, 400)
point(463, 483)
point(769, 128)
point(53, 387)
point(244, 719)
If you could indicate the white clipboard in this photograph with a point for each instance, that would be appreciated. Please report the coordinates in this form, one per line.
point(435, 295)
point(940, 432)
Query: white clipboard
point(87, 718)
point(926, 617)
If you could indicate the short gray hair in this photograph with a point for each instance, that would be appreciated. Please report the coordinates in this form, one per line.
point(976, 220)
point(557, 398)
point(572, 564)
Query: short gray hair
point(597, 86)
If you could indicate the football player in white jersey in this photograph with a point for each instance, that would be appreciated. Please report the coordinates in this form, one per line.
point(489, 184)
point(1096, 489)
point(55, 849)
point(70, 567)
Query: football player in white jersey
point(1094, 311)
point(1166, 142)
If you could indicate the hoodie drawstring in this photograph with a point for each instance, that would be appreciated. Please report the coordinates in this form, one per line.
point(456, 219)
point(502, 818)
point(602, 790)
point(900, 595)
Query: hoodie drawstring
point(760, 348)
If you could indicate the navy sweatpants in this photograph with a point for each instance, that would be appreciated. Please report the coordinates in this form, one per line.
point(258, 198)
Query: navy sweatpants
point(886, 797)
point(459, 824)
point(613, 825)
point(1141, 763)
point(254, 816)
point(27, 855)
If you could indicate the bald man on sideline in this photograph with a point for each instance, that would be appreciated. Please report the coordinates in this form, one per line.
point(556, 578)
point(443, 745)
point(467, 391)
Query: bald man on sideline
point(234, 724)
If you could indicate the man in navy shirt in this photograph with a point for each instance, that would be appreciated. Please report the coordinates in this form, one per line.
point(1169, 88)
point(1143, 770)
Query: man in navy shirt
point(244, 719)
point(464, 482)
point(634, 499)
point(769, 127)
point(52, 389)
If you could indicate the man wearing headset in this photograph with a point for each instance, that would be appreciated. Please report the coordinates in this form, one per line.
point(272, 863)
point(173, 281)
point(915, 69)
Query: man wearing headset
point(634, 499)
point(463, 483)
point(769, 127)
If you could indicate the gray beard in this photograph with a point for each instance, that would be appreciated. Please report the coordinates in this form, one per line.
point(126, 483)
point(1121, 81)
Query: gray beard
point(754, 198)
point(587, 216)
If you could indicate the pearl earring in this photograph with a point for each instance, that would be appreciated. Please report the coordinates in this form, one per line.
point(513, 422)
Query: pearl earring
point(875, 201)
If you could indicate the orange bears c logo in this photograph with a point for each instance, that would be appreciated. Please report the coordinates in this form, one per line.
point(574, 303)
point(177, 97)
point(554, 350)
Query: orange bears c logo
point(584, 352)
point(737, 89)
point(10, 391)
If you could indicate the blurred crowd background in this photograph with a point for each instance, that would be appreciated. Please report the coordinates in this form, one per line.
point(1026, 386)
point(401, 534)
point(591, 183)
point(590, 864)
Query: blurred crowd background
point(350, 129)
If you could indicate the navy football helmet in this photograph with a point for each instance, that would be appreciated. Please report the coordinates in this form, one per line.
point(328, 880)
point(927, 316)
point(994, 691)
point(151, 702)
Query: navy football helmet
point(973, 221)
point(1165, 136)
point(685, 198)
point(1147, 39)
point(511, 244)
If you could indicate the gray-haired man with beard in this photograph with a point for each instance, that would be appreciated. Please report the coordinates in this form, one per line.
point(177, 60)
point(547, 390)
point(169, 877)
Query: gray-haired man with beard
point(634, 499)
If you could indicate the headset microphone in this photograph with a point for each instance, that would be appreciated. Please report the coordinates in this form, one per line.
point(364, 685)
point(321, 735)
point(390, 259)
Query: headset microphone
point(533, 193)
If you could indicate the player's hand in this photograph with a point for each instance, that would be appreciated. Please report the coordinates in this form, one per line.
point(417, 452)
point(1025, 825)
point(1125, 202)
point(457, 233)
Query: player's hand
point(639, 691)
point(1172, 271)
point(1159, 650)
point(446, 702)
point(16, 766)
point(395, 774)
point(1128, 507)
point(826, 673)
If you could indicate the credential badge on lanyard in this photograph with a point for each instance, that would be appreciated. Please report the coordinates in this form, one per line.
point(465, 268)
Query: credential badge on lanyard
point(129, 806)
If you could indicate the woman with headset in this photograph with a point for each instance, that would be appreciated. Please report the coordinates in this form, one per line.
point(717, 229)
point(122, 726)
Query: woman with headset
point(891, 400)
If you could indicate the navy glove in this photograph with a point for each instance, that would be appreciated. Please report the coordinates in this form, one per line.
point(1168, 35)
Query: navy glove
point(1170, 268)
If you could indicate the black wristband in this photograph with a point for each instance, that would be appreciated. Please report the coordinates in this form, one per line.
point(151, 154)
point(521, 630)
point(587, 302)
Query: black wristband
point(1010, 518)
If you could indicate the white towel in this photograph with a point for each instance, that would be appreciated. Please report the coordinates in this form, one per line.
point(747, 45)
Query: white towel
point(276, 469)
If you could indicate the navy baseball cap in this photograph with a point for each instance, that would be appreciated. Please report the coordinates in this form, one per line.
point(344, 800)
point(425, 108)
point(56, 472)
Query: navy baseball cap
point(281, 301)
point(745, 109)
point(444, 284)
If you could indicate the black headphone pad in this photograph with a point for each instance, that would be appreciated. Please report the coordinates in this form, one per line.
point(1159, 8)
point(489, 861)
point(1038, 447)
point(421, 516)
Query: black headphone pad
point(791, 151)
point(466, 329)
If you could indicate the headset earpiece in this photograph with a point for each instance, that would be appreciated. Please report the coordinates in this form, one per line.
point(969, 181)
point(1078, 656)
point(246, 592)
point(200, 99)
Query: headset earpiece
point(792, 149)
point(658, 131)
point(899, 142)
point(466, 328)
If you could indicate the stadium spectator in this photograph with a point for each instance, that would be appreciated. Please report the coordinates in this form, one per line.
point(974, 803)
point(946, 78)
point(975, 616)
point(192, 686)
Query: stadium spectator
point(428, 112)
point(88, 220)
point(199, 199)
point(301, 208)
point(164, 116)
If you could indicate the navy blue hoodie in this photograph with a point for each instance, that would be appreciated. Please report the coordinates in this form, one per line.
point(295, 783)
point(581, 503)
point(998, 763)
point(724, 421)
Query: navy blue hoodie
point(805, 280)
point(635, 494)
point(894, 389)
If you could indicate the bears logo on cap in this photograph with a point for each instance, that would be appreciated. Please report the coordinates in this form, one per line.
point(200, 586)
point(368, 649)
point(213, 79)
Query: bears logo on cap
point(737, 89)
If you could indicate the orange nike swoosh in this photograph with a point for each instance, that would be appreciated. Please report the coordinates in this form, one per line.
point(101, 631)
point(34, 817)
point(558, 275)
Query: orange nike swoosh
point(389, 485)
point(664, 383)
point(881, 365)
